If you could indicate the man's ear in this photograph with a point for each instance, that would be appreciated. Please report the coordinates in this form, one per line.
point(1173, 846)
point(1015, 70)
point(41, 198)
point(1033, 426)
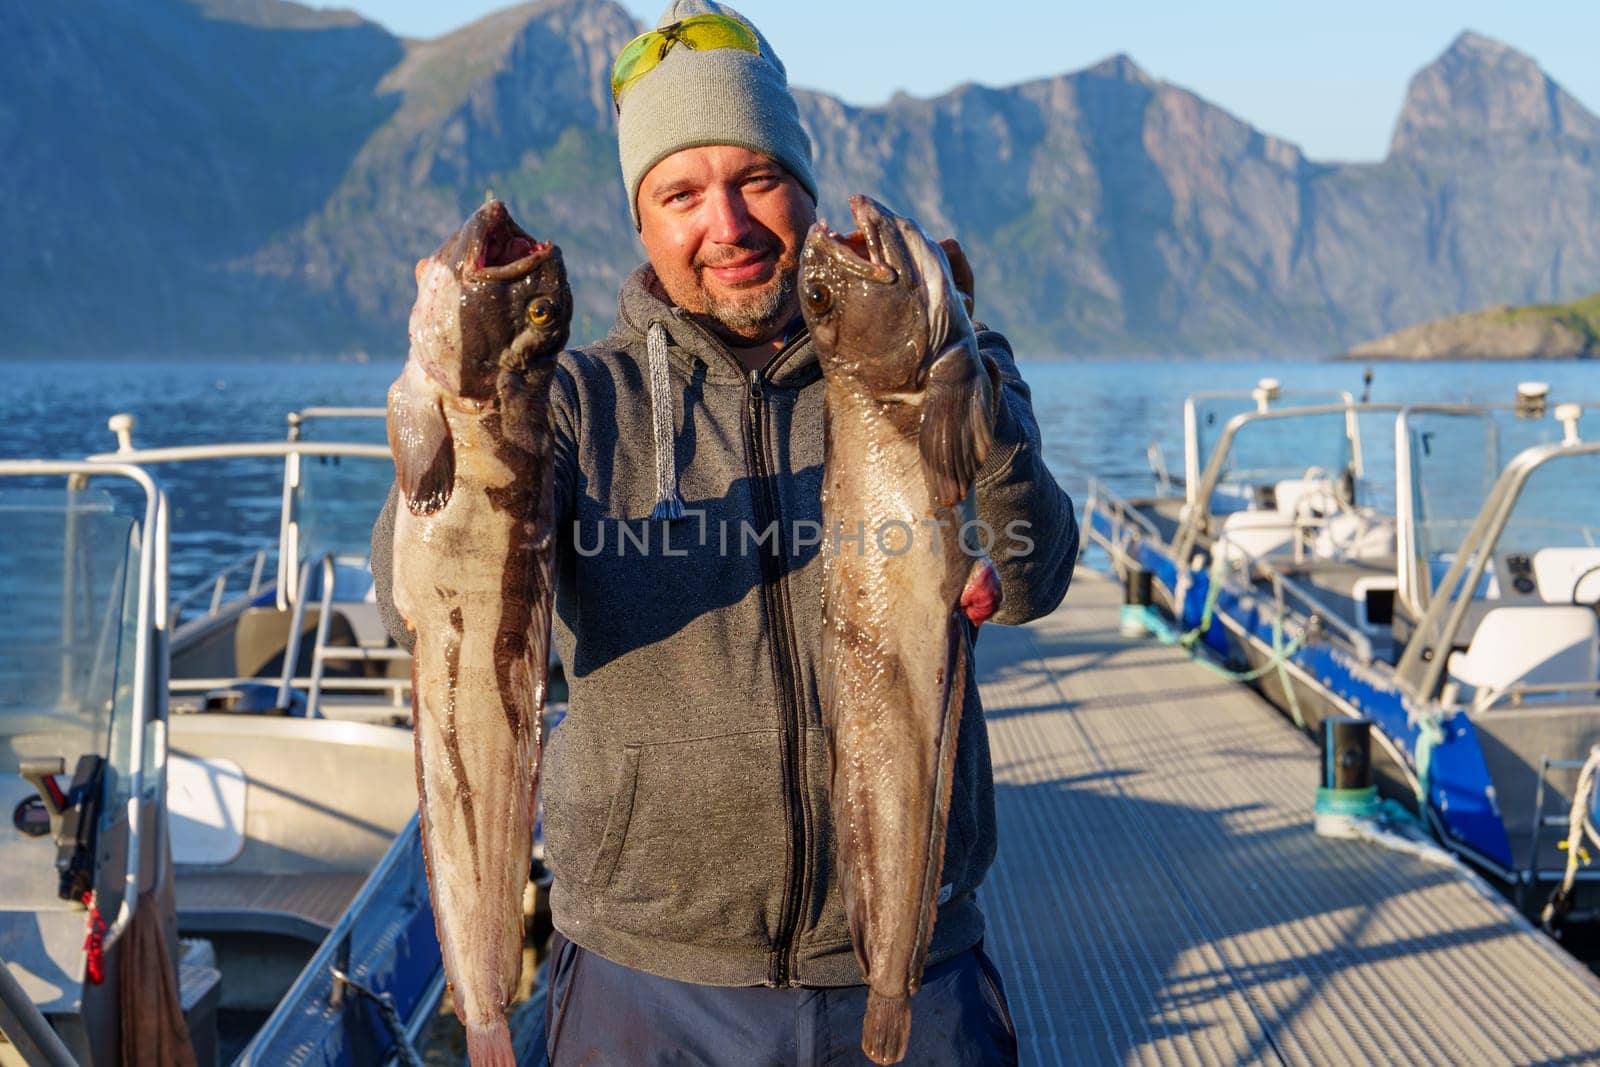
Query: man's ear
point(960, 270)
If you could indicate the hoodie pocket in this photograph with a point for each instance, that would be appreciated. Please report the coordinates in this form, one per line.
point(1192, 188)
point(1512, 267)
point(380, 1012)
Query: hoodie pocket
point(695, 842)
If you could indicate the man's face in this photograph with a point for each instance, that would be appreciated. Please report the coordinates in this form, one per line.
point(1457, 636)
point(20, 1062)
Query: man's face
point(723, 228)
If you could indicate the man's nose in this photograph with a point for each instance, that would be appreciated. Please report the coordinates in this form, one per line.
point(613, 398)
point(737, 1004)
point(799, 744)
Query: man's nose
point(729, 221)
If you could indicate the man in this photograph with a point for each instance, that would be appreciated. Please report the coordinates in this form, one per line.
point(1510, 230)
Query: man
point(686, 810)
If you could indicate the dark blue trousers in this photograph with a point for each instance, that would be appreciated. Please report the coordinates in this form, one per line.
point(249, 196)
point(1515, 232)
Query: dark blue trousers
point(602, 1013)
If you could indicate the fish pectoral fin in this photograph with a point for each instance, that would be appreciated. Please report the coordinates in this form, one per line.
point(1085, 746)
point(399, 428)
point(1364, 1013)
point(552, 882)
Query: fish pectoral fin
point(957, 421)
point(419, 437)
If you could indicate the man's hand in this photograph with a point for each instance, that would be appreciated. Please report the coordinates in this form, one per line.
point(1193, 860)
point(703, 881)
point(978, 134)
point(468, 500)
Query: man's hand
point(960, 270)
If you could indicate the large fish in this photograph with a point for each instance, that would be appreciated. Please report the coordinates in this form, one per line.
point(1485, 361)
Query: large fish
point(469, 425)
point(910, 413)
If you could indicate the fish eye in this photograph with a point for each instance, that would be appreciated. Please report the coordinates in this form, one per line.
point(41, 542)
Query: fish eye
point(819, 299)
point(540, 312)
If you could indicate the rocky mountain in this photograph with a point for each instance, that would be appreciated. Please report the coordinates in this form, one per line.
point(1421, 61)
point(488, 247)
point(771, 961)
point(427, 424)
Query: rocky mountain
point(1532, 331)
point(253, 176)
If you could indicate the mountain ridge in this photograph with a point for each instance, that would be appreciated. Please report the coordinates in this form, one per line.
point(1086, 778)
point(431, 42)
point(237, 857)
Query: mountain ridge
point(275, 203)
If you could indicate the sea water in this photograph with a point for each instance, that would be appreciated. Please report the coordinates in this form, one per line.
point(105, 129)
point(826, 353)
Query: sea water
point(1097, 419)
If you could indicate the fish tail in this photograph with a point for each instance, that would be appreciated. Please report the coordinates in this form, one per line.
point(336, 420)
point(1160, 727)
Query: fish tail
point(886, 1030)
point(489, 1045)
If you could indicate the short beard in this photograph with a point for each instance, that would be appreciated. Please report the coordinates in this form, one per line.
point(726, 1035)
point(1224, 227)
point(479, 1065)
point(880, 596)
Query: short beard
point(757, 316)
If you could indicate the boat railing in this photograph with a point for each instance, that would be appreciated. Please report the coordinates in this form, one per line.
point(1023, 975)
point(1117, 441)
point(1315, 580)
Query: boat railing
point(217, 586)
point(1284, 590)
point(321, 652)
point(1514, 693)
point(297, 418)
point(1124, 519)
point(291, 451)
point(26, 1028)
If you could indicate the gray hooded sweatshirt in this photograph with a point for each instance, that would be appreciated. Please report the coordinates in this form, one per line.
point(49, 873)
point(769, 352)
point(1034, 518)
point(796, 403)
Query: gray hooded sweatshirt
point(686, 813)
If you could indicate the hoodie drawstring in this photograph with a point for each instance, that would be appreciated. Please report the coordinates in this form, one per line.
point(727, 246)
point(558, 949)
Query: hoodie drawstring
point(669, 505)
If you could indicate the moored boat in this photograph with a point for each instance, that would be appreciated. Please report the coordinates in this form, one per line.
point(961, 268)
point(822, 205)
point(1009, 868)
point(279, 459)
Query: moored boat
point(242, 766)
point(1449, 598)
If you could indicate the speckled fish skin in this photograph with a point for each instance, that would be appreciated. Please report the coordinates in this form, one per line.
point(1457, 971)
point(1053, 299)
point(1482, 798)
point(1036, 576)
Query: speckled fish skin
point(469, 425)
point(909, 419)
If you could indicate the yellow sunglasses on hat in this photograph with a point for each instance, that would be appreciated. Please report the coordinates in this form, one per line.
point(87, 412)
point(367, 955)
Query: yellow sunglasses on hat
point(701, 33)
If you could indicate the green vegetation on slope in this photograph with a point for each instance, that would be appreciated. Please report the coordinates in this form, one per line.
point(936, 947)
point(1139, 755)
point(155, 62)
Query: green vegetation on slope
point(1580, 316)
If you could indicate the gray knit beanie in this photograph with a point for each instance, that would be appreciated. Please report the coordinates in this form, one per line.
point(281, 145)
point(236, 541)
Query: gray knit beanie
point(722, 96)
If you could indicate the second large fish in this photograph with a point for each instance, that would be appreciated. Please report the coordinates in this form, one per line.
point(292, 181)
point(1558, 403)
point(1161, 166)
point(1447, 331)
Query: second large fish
point(469, 425)
point(910, 413)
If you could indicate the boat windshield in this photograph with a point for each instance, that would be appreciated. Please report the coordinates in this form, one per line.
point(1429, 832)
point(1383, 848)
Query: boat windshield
point(1454, 459)
point(1206, 416)
point(69, 579)
point(1555, 525)
point(1266, 453)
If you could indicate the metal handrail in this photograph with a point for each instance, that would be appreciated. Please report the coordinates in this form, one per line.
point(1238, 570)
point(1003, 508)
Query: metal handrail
point(334, 412)
point(149, 677)
point(1098, 490)
point(1325, 614)
point(217, 584)
point(1285, 588)
point(1516, 690)
point(242, 450)
point(24, 1024)
point(1121, 514)
point(324, 616)
point(290, 451)
point(291, 648)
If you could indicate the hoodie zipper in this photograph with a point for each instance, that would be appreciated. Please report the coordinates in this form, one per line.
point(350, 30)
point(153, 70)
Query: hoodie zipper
point(780, 966)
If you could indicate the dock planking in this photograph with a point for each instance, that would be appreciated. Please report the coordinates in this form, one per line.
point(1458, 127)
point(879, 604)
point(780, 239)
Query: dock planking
point(1159, 896)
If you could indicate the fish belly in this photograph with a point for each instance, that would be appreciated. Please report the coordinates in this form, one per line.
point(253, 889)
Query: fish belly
point(893, 650)
point(458, 573)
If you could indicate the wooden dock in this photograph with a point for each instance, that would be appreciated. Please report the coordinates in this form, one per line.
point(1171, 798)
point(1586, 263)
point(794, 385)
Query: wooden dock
point(1160, 896)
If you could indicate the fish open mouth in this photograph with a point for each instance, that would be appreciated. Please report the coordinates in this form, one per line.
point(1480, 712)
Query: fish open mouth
point(861, 252)
point(507, 250)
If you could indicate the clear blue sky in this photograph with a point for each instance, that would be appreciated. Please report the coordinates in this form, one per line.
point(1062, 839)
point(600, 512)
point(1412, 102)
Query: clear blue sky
point(1328, 76)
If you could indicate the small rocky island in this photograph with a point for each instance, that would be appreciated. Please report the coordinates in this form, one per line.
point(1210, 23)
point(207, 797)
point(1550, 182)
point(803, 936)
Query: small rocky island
point(1531, 331)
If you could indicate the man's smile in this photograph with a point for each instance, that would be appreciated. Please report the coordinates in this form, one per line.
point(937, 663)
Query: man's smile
point(752, 267)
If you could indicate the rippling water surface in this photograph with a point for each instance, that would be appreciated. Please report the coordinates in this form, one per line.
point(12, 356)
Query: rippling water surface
point(1096, 417)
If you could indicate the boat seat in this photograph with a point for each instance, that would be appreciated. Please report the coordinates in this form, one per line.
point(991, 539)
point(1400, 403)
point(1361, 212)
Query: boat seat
point(262, 635)
point(1565, 574)
point(1300, 497)
point(1355, 535)
point(1537, 644)
point(1256, 534)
